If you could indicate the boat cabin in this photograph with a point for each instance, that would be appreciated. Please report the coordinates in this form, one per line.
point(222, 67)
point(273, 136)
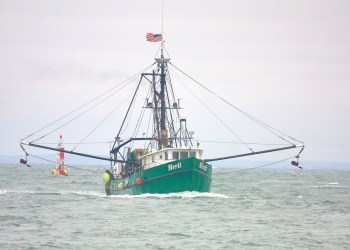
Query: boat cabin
point(166, 155)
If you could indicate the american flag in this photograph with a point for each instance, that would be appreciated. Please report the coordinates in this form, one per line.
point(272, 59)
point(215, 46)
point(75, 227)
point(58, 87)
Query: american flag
point(154, 37)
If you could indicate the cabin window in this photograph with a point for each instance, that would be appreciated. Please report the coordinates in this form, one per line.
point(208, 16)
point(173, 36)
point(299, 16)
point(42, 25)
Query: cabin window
point(175, 155)
point(166, 155)
point(192, 154)
point(183, 155)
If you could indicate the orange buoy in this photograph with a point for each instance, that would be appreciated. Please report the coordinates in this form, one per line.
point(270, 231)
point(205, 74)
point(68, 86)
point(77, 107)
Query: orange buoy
point(139, 181)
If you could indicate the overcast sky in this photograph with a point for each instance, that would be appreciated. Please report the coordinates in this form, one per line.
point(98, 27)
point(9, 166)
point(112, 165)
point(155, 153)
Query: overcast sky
point(285, 62)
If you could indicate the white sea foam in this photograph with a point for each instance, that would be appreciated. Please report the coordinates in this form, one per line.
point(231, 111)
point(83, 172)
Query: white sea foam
point(84, 193)
point(16, 192)
point(329, 185)
point(61, 192)
point(183, 195)
point(3, 192)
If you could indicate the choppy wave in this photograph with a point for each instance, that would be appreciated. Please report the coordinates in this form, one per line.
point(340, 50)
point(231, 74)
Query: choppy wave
point(255, 209)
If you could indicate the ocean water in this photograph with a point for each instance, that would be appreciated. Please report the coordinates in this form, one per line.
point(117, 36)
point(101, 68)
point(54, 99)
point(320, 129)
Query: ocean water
point(258, 209)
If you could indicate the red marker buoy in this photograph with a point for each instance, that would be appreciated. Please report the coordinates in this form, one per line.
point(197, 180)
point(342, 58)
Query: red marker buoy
point(60, 160)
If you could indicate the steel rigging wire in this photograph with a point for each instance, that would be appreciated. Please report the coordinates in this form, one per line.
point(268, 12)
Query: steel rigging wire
point(215, 115)
point(70, 166)
point(261, 166)
point(85, 104)
point(266, 126)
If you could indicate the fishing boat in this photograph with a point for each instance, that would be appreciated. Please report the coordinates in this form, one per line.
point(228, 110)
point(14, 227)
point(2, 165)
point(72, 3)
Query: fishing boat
point(171, 159)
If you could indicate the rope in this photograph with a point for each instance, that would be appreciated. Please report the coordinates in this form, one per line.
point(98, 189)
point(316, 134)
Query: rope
point(247, 169)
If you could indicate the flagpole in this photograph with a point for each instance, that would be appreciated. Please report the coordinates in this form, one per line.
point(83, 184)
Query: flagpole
point(162, 32)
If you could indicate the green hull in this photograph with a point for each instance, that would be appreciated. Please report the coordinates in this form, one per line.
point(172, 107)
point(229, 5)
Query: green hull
point(188, 174)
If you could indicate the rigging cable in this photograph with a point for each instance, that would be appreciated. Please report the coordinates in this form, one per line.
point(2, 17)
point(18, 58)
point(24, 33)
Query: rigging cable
point(177, 116)
point(98, 125)
point(171, 122)
point(158, 50)
point(129, 116)
point(90, 101)
point(129, 119)
point(173, 94)
point(266, 126)
point(55, 143)
point(143, 110)
point(246, 169)
point(76, 117)
point(174, 101)
point(166, 51)
point(127, 112)
point(84, 169)
point(250, 143)
point(148, 126)
point(216, 116)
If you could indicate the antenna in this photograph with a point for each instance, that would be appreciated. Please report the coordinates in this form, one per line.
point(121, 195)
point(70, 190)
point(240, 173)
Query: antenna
point(162, 19)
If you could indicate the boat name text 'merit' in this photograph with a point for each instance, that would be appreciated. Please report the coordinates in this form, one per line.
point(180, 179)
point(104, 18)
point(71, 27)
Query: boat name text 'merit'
point(174, 166)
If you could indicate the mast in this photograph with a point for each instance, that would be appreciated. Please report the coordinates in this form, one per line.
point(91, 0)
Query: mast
point(163, 130)
point(163, 142)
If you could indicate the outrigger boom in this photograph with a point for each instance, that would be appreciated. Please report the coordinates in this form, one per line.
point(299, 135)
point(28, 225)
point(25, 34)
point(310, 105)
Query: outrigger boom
point(257, 152)
point(132, 139)
point(71, 152)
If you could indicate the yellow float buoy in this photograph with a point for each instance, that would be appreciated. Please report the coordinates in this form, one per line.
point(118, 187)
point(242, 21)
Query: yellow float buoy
point(106, 177)
point(121, 186)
